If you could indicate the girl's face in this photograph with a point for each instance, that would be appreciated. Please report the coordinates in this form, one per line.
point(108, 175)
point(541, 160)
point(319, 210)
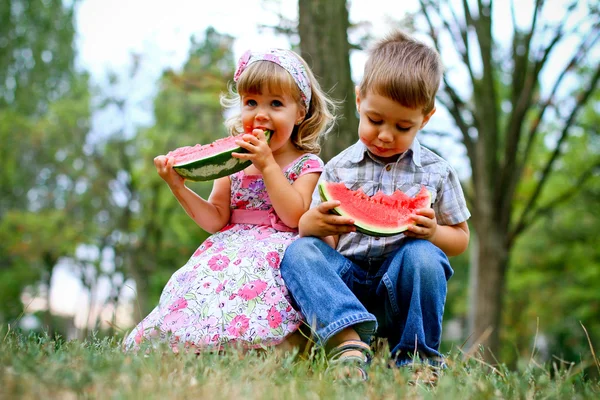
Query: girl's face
point(278, 112)
point(386, 127)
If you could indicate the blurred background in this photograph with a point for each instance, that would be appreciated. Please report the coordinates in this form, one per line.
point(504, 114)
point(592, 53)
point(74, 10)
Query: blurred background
point(91, 91)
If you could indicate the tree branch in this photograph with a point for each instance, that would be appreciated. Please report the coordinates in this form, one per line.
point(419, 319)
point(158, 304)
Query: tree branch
point(581, 100)
point(458, 104)
point(525, 83)
point(459, 38)
point(534, 128)
point(558, 200)
point(485, 97)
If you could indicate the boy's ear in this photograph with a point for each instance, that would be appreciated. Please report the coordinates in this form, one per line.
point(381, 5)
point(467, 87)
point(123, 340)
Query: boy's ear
point(426, 118)
point(357, 92)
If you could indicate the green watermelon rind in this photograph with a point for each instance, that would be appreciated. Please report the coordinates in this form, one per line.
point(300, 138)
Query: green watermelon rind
point(361, 226)
point(215, 166)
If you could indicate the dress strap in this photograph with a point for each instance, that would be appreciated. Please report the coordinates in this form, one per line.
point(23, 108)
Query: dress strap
point(259, 217)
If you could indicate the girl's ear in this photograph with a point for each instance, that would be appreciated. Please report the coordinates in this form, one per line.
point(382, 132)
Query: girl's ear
point(301, 114)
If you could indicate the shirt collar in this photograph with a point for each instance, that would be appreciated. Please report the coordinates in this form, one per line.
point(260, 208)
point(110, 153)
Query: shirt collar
point(360, 150)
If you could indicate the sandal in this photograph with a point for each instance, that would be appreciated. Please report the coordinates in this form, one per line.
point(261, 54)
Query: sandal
point(348, 365)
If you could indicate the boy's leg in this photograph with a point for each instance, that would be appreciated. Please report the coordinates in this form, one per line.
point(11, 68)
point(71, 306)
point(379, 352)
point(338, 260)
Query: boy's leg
point(319, 280)
point(414, 292)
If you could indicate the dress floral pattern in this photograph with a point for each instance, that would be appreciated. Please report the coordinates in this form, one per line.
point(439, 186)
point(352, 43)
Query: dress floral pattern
point(231, 291)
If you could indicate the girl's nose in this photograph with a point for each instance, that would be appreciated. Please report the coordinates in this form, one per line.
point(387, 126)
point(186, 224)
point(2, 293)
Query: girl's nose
point(262, 115)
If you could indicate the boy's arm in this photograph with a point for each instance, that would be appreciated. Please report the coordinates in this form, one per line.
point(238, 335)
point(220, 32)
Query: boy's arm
point(319, 222)
point(451, 239)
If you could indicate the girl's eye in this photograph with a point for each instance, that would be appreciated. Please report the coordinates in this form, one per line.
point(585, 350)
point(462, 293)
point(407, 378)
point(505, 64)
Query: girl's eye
point(250, 102)
point(276, 103)
point(374, 122)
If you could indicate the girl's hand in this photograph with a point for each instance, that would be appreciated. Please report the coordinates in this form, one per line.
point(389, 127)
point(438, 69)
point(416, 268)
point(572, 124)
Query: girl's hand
point(164, 167)
point(426, 226)
point(320, 222)
point(258, 148)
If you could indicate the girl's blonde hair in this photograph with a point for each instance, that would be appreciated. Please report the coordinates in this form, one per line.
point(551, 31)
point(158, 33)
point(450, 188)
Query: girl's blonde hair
point(260, 75)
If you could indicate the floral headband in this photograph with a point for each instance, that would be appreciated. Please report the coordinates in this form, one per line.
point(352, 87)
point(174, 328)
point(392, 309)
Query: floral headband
point(284, 58)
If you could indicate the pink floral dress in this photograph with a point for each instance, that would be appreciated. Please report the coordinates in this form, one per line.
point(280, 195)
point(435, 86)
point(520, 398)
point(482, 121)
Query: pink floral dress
point(230, 291)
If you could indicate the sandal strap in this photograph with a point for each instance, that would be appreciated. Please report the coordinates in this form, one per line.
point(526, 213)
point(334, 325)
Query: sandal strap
point(357, 363)
point(351, 345)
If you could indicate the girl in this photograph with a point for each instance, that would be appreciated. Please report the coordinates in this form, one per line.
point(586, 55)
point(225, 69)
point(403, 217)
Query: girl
point(230, 291)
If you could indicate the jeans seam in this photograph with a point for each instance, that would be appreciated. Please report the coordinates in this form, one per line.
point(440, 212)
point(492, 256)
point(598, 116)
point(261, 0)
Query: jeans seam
point(392, 296)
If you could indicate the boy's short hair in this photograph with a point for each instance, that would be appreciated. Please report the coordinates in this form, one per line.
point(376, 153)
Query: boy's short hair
point(405, 70)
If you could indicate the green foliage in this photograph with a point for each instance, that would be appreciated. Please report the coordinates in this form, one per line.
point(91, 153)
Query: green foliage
point(554, 285)
point(39, 366)
point(187, 111)
point(44, 113)
point(36, 54)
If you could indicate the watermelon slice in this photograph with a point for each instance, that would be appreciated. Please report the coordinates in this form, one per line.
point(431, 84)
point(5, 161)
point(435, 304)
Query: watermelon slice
point(379, 215)
point(210, 161)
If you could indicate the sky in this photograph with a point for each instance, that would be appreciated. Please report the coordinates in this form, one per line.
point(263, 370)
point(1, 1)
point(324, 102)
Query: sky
point(110, 31)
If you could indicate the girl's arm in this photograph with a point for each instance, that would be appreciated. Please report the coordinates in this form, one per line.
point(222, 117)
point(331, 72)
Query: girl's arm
point(211, 215)
point(290, 201)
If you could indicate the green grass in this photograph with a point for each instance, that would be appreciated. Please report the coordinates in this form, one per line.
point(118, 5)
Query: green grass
point(36, 367)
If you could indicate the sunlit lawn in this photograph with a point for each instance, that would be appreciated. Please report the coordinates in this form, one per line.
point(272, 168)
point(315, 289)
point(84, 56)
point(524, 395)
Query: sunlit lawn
point(37, 367)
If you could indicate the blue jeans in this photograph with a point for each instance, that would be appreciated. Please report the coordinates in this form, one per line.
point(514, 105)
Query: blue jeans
point(401, 297)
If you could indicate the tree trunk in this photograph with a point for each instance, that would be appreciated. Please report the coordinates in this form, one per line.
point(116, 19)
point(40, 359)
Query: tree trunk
point(48, 318)
point(323, 27)
point(488, 276)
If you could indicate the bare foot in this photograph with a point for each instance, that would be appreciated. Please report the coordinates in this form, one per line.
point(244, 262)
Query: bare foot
point(295, 341)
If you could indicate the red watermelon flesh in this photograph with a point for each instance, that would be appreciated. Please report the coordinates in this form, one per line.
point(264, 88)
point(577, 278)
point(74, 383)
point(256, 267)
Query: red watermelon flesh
point(205, 162)
point(190, 153)
point(378, 215)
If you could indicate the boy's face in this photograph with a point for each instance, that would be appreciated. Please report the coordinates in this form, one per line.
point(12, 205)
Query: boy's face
point(386, 127)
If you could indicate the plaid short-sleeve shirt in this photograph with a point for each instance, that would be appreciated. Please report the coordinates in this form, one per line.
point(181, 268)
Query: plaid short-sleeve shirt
point(359, 169)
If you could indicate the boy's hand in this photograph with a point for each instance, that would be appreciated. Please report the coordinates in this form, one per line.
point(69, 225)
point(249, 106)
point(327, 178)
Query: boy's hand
point(320, 222)
point(164, 167)
point(426, 226)
point(258, 148)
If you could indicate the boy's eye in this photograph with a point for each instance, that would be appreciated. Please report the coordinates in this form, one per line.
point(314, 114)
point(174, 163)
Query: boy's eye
point(403, 129)
point(374, 122)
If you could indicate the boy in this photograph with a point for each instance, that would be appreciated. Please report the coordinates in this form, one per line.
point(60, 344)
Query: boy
point(350, 286)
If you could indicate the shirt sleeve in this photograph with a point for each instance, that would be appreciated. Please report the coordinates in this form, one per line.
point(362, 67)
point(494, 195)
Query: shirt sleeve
point(311, 164)
point(451, 207)
point(327, 176)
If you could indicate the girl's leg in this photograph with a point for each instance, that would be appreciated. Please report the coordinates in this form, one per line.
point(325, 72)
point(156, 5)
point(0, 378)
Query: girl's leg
point(414, 294)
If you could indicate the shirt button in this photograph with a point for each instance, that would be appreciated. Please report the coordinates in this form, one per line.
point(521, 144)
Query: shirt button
point(388, 167)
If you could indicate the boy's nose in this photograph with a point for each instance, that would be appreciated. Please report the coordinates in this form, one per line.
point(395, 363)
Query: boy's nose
point(385, 136)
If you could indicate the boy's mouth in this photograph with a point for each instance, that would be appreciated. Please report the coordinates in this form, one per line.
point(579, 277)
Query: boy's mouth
point(380, 150)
